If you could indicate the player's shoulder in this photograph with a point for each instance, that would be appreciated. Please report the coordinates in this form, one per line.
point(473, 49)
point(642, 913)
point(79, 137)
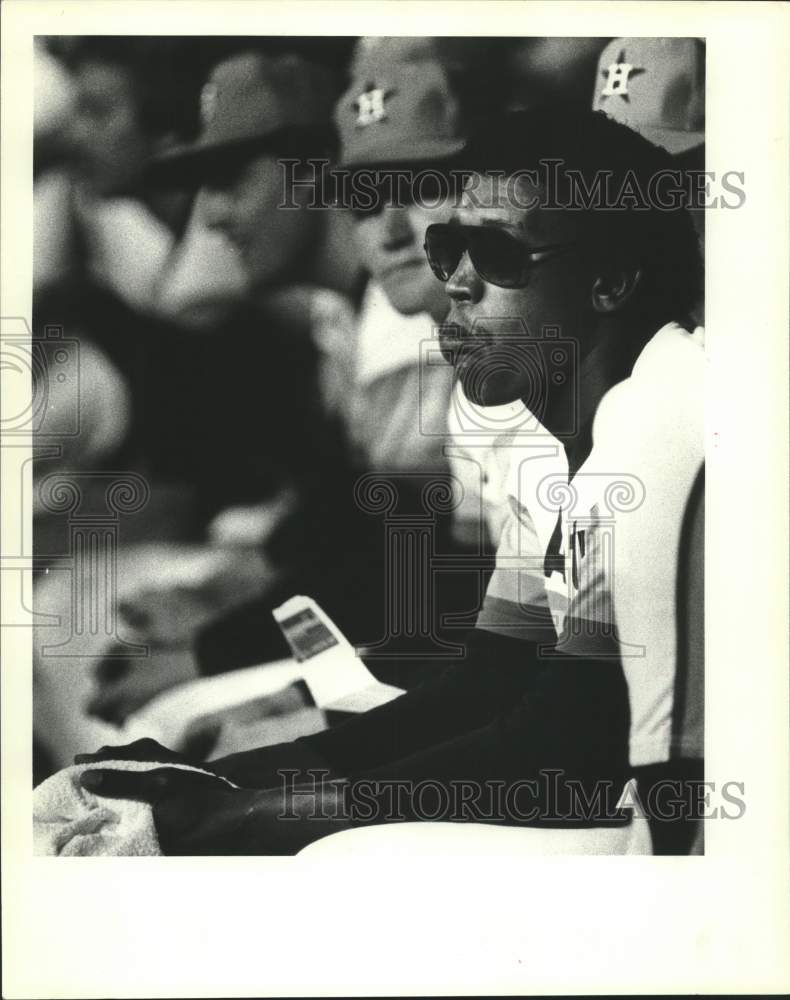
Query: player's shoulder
point(661, 402)
point(649, 431)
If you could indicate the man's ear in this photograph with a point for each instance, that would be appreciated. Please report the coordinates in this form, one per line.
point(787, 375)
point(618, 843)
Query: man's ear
point(610, 292)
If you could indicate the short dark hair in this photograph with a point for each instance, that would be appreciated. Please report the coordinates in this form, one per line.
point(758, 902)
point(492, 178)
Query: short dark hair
point(588, 145)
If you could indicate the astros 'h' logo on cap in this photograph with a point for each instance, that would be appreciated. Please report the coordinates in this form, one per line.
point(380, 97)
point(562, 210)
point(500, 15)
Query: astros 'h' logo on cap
point(617, 76)
point(370, 105)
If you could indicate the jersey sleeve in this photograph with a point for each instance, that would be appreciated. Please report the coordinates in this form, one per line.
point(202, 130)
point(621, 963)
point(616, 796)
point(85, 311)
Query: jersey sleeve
point(517, 603)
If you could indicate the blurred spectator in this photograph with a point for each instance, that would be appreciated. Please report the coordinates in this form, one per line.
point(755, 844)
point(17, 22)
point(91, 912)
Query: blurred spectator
point(420, 124)
point(121, 262)
point(254, 107)
point(132, 97)
point(264, 374)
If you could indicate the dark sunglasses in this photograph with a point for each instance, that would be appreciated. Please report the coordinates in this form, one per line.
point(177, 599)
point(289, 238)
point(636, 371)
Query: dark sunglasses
point(498, 257)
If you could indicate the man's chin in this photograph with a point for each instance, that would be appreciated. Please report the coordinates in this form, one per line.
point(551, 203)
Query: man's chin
point(449, 354)
point(485, 391)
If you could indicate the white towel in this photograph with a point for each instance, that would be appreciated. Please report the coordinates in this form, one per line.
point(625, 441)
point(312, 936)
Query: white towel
point(68, 820)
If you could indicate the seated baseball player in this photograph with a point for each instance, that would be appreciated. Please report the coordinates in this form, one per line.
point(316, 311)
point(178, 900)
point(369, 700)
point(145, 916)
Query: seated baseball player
point(568, 687)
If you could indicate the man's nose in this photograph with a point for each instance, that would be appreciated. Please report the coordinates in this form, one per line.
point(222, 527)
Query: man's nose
point(465, 284)
point(216, 207)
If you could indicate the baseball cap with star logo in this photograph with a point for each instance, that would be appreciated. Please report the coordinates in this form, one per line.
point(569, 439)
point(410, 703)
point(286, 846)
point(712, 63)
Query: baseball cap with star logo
point(656, 86)
point(254, 103)
point(401, 106)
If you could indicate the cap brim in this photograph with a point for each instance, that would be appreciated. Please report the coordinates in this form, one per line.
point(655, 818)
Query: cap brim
point(187, 166)
point(190, 166)
point(397, 154)
point(674, 141)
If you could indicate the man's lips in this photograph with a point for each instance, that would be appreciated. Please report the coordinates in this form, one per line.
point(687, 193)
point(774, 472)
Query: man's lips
point(454, 331)
point(455, 345)
point(451, 338)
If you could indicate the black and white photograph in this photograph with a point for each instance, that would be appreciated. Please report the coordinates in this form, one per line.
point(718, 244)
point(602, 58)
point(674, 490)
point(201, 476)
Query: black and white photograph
point(361, 472)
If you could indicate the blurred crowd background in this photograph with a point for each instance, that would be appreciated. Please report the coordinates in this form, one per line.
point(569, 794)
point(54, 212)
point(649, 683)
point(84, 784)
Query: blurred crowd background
point(249, 363)
point(156, 296)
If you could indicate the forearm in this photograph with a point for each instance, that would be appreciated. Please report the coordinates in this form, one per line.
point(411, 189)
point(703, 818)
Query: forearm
point(567, 736)
point(558, 757)
point(492, 677)
point(285, 819)
point(265, 767)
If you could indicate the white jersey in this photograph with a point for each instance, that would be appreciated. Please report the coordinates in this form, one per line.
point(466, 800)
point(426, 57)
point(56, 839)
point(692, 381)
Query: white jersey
point(611, 588)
